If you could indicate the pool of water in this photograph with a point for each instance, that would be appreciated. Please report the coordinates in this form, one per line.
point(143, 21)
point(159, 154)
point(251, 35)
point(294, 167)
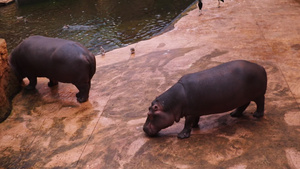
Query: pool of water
point(94, 23)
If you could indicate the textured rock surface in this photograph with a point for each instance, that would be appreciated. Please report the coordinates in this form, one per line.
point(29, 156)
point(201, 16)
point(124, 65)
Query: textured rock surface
point(8, 83)
point(4, 104)
point(48, 128)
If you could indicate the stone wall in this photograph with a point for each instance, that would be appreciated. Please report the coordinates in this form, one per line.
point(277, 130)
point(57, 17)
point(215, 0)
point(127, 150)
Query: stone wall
point(9, 85)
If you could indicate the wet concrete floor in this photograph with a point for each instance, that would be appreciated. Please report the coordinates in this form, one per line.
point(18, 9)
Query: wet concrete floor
point(49, 129)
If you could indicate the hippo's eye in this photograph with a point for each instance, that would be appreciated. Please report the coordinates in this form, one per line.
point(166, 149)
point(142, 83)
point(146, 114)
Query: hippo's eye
point(155, 108)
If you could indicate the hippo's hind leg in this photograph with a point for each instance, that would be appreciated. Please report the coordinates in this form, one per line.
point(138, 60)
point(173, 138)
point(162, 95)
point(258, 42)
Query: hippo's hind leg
point(195, 122)
point(83, 94)
point(260, 103)
point(52, 82)
point(190, 122)
point(239, 111)
point(32, 83)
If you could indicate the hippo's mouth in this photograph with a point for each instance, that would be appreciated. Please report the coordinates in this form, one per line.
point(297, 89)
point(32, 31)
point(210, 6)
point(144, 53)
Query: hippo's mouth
point(150, 130)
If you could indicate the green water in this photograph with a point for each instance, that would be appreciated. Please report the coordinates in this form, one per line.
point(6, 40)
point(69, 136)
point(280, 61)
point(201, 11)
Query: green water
point(108, 23)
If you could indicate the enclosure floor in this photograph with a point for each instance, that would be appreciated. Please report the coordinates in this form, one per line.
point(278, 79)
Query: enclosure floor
point(49, 129)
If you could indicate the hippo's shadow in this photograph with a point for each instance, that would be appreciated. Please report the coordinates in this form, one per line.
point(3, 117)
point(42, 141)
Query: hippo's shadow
point(29, 92)
point(63, 94)
point(210, 124)
point(36, 91)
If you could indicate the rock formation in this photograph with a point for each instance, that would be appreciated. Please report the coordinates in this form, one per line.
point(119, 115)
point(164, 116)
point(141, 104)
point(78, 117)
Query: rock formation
point(9, 85)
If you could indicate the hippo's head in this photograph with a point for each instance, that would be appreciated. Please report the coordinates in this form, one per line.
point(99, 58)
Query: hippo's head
point(157, 119)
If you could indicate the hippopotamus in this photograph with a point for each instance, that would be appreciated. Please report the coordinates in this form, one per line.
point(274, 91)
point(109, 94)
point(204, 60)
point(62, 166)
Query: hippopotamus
point(57, 59)
point(219, 89)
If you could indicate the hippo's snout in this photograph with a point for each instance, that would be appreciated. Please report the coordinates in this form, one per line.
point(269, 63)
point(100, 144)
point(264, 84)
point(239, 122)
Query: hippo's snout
point(148, 129)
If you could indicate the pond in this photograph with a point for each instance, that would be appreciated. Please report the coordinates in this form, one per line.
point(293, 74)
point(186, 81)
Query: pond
point(94, 23)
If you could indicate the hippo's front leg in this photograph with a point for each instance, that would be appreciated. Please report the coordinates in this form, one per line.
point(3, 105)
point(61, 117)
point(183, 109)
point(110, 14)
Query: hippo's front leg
point(190, 122)
point(32, 83)
point(52, 82)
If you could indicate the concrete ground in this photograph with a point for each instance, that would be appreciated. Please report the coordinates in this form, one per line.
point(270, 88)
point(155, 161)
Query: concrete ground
point(49, 129)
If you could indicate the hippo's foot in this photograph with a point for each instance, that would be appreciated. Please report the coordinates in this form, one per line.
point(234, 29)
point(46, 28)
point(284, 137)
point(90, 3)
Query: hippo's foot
point(52, 83)
point(258, 114)
point(81, 98)
point(185, 133)
point(190, 122)
point(30, 87)
point(32, 83)
point(83, 93)
point(260, 102)
point(236, 114)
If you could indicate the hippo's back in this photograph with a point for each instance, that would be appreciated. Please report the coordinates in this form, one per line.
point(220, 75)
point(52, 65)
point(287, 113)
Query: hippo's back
point(224, 87)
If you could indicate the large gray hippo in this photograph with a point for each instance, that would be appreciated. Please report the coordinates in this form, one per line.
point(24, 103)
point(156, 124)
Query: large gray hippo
point(57, 59)
point(222, 88)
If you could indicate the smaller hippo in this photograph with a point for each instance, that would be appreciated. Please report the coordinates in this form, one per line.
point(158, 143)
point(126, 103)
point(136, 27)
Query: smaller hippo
point(57, 59)
point(222, 88)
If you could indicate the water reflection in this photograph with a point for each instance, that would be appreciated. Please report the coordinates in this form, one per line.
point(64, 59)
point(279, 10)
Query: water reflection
point(94, 23)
